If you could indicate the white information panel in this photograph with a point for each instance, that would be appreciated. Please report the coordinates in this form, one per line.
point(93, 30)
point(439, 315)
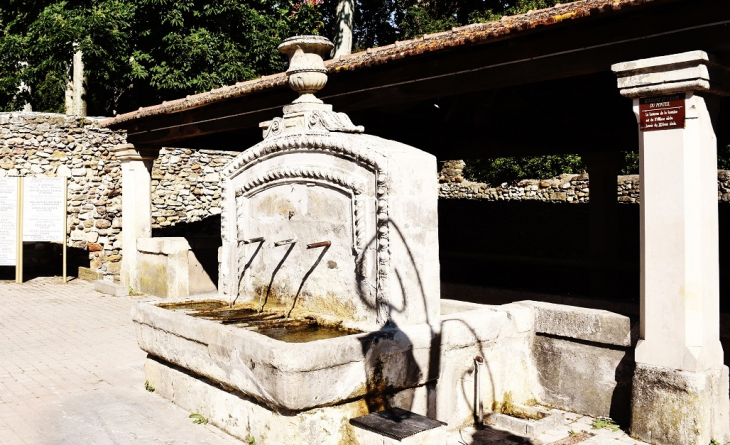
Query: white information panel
point(8, 221)
point(44, 212)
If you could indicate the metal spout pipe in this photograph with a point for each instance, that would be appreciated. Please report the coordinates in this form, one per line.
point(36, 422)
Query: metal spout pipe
point(285, 242)
point(319, 244)
point(260, 239)
point(478, 407)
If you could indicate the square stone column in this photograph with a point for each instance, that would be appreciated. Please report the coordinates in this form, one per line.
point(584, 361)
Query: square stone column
point(680, 392)
point(136, 211)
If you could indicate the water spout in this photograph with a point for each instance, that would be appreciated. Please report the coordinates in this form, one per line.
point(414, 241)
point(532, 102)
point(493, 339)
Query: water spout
point(319, 244)
point(285, 242)
point(260, 239)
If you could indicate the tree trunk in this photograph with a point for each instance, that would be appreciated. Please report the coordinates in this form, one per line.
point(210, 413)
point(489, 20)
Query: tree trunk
point(343, 30)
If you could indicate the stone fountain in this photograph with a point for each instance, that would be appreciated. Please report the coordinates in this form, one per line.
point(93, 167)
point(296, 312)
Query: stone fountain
point(325, 229)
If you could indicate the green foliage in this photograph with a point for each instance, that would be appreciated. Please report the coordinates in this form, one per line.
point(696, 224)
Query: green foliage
point(199, 419)
point(714, 442)
point(498, 170)
point(381, 22)
point(306, 17)
point(604, 422)
point(148, 387)
point(419, 21)
point(630, 165)
point(723, 157)
point(141, 52)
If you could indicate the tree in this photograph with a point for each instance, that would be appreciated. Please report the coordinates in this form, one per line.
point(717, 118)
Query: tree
point(381, 22)
point(141, 52)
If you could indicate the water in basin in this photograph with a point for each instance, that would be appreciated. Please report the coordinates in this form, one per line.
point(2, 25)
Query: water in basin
point(271, 323)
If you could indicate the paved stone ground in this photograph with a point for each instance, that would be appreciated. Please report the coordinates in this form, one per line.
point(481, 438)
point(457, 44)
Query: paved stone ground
point(71, 374)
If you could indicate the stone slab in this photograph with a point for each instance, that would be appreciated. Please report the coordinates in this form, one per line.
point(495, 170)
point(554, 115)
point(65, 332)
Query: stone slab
point(689, 71)
point(592, 325)
point(89, 275)
point(111, 288)
point(584, 378)
point(527, 427)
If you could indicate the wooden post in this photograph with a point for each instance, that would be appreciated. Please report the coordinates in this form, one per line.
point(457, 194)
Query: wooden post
point(19, 241)
point(65, 225)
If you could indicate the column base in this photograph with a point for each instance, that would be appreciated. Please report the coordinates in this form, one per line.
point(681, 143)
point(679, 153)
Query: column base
point(671, 407)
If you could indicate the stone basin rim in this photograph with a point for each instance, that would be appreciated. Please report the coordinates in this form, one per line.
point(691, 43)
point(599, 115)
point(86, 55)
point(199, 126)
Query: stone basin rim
point(260, 348)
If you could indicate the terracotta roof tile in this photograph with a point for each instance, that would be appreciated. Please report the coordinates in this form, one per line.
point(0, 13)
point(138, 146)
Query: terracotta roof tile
point(469, 34)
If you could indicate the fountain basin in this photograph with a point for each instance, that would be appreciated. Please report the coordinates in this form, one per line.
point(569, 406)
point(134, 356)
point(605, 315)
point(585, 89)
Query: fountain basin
point(287, 376)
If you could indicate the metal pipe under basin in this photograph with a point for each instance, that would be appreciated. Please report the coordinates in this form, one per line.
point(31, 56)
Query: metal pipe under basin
point(478, 408)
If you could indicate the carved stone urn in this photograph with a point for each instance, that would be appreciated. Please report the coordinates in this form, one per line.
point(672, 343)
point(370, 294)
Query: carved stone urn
point(307, 73)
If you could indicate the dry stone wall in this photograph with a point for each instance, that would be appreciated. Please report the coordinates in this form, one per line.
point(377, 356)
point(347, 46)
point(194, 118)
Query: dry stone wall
point(184, 182)
point(185, 185)
point(35, 144)
point(566, 188)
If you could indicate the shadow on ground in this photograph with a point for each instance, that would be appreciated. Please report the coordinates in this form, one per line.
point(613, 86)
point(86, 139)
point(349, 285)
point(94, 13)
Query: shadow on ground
point(488, 436)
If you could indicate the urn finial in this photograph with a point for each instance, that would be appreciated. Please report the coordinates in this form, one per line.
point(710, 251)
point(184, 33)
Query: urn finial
point(307, 73)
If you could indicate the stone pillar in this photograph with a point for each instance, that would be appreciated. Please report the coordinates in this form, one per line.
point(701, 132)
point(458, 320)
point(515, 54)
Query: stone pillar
point(680, 387)
point(136, 201)
point(75, 103)
point(603, 168)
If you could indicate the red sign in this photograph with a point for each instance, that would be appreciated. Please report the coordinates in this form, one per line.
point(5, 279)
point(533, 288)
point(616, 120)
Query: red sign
point(661, 112)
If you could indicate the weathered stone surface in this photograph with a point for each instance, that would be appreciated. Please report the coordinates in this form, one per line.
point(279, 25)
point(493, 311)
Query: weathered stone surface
point(584, 378)
point(341, 188)
point(220, 353)
point(581, 323)
point(526, 427)
point(298, 376)
point(111, 288)
point(672, 407)
point(87, 274)
point(246, 419)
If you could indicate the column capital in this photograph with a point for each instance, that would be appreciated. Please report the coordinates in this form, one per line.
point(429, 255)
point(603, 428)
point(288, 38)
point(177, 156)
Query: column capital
point(129, 152)
point(693, 71)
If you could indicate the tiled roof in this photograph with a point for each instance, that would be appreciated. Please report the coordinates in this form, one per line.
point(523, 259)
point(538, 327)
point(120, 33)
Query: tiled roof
point(477, 33)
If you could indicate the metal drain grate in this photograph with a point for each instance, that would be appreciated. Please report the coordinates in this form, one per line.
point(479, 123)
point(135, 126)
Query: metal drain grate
point(396, 423)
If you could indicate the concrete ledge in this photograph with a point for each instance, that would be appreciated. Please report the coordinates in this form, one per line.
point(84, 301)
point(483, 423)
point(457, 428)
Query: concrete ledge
point(164, 246)
point(527, 427)
point(582, 324)
point(108, 287)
